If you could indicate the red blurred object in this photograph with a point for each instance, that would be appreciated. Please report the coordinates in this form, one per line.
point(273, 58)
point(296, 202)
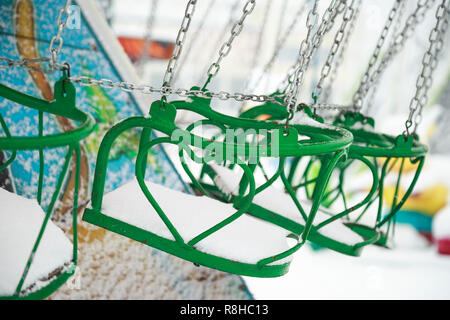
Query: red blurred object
point(427, 235)
point(444, 246)
point(157, 49)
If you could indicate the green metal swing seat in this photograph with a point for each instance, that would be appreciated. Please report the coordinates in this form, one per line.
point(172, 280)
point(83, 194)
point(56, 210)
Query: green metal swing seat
point(211, 233)
point(37, 258)
point(286, 210)
point(384, 151)
point(369, 148)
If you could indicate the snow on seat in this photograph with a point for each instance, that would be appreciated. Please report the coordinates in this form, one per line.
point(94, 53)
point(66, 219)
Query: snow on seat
point(20, 222)
point(246, 239)
point(278, 201)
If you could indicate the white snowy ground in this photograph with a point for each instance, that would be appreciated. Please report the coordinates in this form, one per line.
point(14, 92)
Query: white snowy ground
point(401, 273)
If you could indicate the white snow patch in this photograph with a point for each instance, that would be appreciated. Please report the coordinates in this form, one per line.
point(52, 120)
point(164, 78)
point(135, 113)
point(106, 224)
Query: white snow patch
point(247, 239)
point(301, 118)
point(378, 274)
point(20, 222)
point(278, 201)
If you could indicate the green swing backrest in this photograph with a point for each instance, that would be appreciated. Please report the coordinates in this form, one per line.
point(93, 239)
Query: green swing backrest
point(370, 144)
point(64, 106)
point(162, 117)
point(318, 144)
point(332, 138)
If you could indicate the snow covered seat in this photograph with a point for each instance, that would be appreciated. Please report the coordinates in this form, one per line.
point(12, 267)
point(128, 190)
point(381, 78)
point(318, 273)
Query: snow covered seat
point(20, 223)
point(245, 241)
point(275, 205)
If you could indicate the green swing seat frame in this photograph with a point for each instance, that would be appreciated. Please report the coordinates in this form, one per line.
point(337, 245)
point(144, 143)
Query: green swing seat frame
point(324, 142)
point(63, 106)
point(388, 150)
point(366, 145)
point(162, 119)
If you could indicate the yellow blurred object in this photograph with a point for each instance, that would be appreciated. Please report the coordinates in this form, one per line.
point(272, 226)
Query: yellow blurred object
point(431, 130)
point(407, 166)
point(429, 201)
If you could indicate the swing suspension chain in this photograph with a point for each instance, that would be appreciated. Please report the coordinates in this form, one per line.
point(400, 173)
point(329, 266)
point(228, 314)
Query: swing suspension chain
point(56, 43)
point(429, 63)
point(307, 48)
point(86, 81)
point(226, 47)
point(282, 41)
point(164, 90)
point(55, 47)
point(339, 58)
point(373, 89)
point(29, 64)
point(259, 42)
point(221, 36)
point(195, 37)
point(179, 42)
point(340, 35)
point(410, 25)
point(365, 85)
point(333, 10)
point(292, 88)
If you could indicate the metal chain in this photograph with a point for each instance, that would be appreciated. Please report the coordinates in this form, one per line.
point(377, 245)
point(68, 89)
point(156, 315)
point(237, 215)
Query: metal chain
point(179, 42)
point(338, 38)
point(327, 22)
point(29, 64)
point(292, 89)
point(429, 64)
point(221, 37)
point(307, 49)
point(410, 25)
point(55, 47)
point(226, 47)
point(86, 81)
point(147, 37)
point(365, 84)
point(373, 89)
point(259, 41)
point(279, 44)
point(195, 37)
point(340, 57)
point(56, 43)
point(166, 90)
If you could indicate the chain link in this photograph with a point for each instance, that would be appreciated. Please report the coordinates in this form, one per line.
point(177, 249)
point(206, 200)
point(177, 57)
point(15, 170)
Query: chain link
point(292, 89)
point(429, 64)
point(36, 64)
point(281, 42)
point(259, 42)
point(307, 48)
point(86, 81)
point(195, 37)
point(365, 85)
point(235, 31)
point(328, 89)
point(339, 37)
point(369, 96)
point(179, 42)
point(55, 47)
point(410, 25)
point(219, 40)
point(56, 43)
